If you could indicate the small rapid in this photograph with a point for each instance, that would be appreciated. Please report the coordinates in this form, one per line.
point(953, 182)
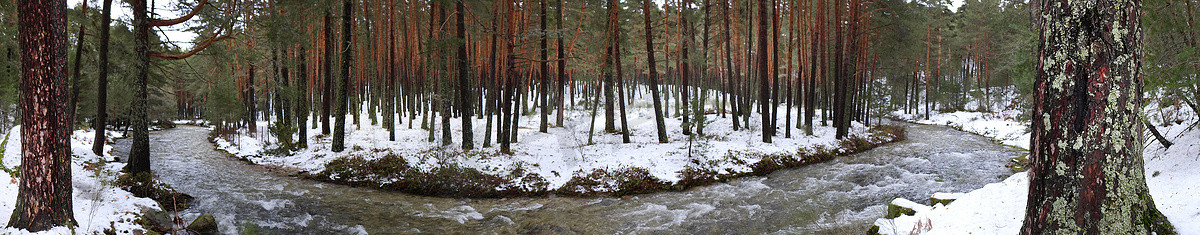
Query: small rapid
point(843, 195)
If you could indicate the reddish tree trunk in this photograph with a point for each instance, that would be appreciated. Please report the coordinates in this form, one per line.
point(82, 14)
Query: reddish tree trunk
point(44, 193)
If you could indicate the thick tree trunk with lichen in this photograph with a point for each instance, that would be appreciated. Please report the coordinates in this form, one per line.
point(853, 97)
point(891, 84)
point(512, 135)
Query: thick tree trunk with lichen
point(1086, 174)
point(44, 193)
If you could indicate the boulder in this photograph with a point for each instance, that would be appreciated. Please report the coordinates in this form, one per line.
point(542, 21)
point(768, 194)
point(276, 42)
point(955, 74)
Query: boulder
point(156, 220)
point(205, 224)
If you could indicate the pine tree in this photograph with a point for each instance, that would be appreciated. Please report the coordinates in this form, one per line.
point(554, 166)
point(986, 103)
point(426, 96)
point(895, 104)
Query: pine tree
point(464, 82)
point(339, 129)
point(658, 115)
point(100, 123)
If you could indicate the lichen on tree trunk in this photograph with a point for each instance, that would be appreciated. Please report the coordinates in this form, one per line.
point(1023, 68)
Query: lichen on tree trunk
point(1087, 171)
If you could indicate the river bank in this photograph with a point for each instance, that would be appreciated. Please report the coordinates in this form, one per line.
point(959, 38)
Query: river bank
point(835, 196)
point(559, 162)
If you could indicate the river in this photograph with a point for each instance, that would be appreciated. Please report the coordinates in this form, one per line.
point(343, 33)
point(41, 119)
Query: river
point(841, 196)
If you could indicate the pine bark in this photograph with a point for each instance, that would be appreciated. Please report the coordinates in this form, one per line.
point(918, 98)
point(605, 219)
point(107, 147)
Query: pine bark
point(544, 50)
point(1087, 172)
point(302, 98)
point(327, 68)
point(139, 151)
point(100, 123)
point(339, 129)
point(464, 83)
point(764, 89)
point(685, 68)
point(44, 192)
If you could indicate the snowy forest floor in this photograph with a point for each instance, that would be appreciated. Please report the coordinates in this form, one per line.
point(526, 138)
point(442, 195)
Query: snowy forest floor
point(99, 204)
point(999, 208)
point(560, 161)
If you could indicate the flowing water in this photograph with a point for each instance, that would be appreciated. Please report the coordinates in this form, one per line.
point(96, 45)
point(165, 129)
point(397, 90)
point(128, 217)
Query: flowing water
point(844, 195)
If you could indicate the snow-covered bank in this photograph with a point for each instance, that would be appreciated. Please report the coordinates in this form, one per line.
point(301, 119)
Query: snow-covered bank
point(99, 204)
point(1002, 126)
point(999, 208)
point(562, 153)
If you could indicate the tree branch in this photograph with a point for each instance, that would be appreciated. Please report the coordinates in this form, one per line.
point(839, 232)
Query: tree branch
point(181, 19)
point(199, 47)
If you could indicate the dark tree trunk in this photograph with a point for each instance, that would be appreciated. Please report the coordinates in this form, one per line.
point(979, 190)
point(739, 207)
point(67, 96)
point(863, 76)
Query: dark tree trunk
point(841, 75)
point(339, 128)
point(545, 75)
point(302, 98)
point(251, 112)
point(76, 72)
point(327, 68)
point(44, 193)
point(764, 89)
point(100, 124)
point(464, 83)
point(730, 84)
point(610, 125)
point(1087, 172)
point(389, 109)
point(561, 79)
point(620, 86)
point(704, 73)
point(684, 68)
point(658, 116)
point(810, 97)
point(139, 150)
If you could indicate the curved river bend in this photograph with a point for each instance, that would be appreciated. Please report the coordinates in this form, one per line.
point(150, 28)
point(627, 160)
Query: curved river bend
point(844, 195)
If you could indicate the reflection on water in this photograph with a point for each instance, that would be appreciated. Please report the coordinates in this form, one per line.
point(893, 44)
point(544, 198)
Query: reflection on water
point(840, 196)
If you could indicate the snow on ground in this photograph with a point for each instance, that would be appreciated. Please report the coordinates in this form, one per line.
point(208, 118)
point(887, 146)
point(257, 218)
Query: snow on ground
point(99, 204)
point(999, 208)
point(1000, 122)
point(558, 154)
point(1002, 126)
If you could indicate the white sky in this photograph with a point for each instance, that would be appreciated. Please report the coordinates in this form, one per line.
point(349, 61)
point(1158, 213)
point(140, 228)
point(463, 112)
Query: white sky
point(122, 13)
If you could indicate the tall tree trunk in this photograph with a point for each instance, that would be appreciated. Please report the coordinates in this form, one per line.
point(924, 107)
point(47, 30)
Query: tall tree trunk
point(658, 115)
point(764, 89)
point(561, 79)
point(610, 125)
point(704, 73)
point(390, 104)
point(730, 84)
point(44, 193)
point(464, 84)
point(100, 123)
point(544, 54)
point(139, 150)
point(810, 97)
point(327, 67)
point(73, 106)
point(684, 68)
point(620, 87)
point(302, 99)
point(1087, 172)
point(339, 129)
point(774, 68)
